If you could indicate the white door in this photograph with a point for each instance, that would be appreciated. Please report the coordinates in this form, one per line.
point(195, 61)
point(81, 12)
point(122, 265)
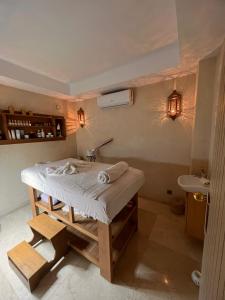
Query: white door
point(213, 266)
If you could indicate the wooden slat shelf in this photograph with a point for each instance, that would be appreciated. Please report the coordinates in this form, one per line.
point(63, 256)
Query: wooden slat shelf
point(10, 124)
point(83, 234)
point(90, 249)
point(88, 225)
point(100, 243)
point(38, 140)
point(43, 205)
point(84, 245)
point(121, 219)
point(40, 116)
point(122, 240)
point(29, 127)
point(84, 225)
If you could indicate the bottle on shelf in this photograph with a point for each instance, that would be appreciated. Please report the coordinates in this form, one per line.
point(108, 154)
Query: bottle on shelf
point(18, 134)
point(9, 133)
point(13, 134)
point(58, 130)
point(22, 134)
point(42, 134)
point(39, 134)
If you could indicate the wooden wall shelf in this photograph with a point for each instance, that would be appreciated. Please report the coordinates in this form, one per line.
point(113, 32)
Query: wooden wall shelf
point(19, 128)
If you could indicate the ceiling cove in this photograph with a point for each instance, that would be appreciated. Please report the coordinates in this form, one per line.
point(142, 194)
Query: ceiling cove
point(76, 49)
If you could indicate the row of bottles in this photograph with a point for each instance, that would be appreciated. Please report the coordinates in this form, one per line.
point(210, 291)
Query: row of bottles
point(20, 126)
point(26, 123)
point(19, 123)
point(18, 134)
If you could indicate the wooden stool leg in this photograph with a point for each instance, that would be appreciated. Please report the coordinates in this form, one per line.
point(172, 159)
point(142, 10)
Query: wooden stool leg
point(135, 214)
point(105, 250)
point(33, 198)
point(37, 237)
point(60, 244)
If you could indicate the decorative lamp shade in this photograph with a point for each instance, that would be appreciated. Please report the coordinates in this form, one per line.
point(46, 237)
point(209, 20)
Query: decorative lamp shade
point(81, 117)
point(174, 105)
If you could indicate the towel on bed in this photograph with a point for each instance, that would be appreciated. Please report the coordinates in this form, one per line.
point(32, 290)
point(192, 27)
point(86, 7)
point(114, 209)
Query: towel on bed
point(67, 169)
point(113, 173)
point(83, 191)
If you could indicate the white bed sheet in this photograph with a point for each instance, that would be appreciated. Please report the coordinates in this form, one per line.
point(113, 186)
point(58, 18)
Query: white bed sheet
point(83, 192)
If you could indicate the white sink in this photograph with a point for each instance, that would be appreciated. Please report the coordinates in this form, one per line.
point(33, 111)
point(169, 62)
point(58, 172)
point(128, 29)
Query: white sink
point(192, 184)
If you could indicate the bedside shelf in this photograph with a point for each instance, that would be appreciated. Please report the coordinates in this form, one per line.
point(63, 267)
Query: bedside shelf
point(24, 141)
point(29, 127)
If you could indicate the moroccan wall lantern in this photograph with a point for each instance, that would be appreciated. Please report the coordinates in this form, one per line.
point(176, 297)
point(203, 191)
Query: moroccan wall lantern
point(81, 117)
point(174, 105)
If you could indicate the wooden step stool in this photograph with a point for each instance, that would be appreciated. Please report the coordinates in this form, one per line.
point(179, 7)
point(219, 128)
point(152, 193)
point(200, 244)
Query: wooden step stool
point(28, 264)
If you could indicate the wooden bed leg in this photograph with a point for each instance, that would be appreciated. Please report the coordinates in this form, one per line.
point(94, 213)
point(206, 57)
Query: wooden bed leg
point(50, 203)
point(33, 198)
point(105, 250)
point(135, 214)
point(71, 214)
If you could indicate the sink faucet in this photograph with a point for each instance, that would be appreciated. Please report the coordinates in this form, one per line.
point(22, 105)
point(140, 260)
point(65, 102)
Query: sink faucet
point(203, 173)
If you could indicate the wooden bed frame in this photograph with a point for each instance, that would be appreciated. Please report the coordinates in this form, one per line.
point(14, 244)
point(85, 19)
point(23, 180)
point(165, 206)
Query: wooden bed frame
point(100, 243)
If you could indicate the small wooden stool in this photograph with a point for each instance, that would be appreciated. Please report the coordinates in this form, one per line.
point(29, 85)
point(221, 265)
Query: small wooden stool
point(44, 226)
point(27, 263)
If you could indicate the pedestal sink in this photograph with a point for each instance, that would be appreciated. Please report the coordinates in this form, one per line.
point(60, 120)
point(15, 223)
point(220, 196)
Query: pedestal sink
point(192, 184)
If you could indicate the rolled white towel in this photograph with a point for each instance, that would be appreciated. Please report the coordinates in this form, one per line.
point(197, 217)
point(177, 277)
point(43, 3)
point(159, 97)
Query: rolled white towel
point(113, 173)
point(67, 169)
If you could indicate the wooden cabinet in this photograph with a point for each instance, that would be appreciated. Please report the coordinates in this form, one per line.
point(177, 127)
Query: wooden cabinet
point(195, 217)
point(19, 128)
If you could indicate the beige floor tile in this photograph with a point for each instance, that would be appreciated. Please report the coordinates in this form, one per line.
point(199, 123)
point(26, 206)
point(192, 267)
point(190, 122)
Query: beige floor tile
point(156, 265)
point(6, 290)
point(157, 270)
point(146, 222)
point(159, 208)
point(171, 234)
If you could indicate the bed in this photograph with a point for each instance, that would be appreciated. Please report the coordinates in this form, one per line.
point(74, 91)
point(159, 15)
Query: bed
point(101, 218)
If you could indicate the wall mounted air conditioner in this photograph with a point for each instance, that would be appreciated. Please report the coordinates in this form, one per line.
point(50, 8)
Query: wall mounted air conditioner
point(116, 99)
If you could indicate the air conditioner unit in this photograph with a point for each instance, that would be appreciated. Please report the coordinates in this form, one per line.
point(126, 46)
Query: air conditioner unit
point(116, 99)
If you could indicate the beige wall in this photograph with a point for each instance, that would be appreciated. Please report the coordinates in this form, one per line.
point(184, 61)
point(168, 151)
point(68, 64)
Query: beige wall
point(203, 115)
point(216, 95)
point(144, 136)
point(13, 158)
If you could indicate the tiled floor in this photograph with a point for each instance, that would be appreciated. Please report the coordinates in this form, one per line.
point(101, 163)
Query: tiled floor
point(156, 265)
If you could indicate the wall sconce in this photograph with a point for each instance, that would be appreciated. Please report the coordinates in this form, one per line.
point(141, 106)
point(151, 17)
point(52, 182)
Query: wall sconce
point(174, 105)
point(81, 117)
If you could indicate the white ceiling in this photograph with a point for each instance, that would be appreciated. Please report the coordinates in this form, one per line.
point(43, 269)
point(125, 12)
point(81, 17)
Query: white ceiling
point(77, 48)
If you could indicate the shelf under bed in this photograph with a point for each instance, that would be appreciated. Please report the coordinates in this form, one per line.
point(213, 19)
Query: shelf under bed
point(100, 243)
point(83, 233)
